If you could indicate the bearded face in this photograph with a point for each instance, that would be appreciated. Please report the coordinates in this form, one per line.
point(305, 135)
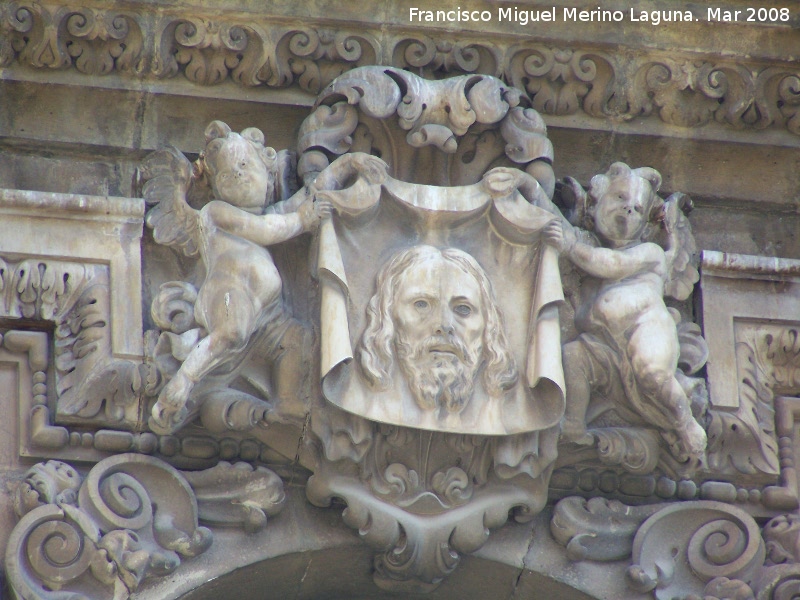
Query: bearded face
point(440, 371)
point(439, 327)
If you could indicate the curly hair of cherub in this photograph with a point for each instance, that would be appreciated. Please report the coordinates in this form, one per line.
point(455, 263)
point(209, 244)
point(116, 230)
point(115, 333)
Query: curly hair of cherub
point(599, 185)
point(218, 134)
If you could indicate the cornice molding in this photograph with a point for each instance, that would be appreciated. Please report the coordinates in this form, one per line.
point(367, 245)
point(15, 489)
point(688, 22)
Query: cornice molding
point(592, 79)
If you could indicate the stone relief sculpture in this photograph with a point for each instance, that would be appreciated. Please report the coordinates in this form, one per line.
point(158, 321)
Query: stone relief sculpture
point(131, 518)
point(426, 390)
point(241, 292)
point(436, 311)
point(628, 348)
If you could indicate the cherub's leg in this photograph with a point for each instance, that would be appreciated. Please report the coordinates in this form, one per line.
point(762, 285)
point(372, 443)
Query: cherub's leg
point(654, 367)
point(690, 433)
point(230, 320)
point(577, 369)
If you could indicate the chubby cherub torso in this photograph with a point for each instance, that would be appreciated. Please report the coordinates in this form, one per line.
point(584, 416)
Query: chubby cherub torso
point(628, 293)
point(234, 262)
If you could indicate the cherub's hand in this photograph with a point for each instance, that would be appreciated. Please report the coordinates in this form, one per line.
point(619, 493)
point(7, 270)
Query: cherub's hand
point(312, 213)
point(561, 238)
point(371, 168)
point(501, 181)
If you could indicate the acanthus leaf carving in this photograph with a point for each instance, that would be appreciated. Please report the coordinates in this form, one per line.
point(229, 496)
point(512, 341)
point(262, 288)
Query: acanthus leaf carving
point(744, 440)
point(431, 58)
point(563, 81)
point(684, 90)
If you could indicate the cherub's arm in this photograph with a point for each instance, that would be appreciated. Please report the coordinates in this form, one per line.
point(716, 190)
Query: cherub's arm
point(501, 181)
point(266, 230)
point(605, 263)
point(289, 205)
point(349, 166)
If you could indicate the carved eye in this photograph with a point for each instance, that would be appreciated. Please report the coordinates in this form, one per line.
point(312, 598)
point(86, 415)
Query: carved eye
point(462, 310)
point(243, 164)
point(420, 304)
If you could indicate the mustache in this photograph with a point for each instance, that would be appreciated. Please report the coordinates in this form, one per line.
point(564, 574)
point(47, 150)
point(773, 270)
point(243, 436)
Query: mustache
point(437, 343)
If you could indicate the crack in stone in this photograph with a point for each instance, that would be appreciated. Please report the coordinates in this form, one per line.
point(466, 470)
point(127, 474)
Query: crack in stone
point(522, 569)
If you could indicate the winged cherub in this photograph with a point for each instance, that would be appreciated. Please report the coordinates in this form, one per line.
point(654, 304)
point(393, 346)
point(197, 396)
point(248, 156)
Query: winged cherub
point(242, 286)
point(628, 348)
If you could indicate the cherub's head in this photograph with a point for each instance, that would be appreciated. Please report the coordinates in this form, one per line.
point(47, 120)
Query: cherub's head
point(623, 202)
point(240, 169)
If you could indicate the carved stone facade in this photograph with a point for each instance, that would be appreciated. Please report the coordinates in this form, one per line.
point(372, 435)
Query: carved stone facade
point(362, 306)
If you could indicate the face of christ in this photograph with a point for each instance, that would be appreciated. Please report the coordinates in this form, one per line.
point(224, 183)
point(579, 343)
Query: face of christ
point(439, 325)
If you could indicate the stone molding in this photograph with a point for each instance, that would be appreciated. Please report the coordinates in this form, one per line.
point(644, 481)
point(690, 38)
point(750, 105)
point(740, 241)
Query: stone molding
point(683, 89)
point(102, 232)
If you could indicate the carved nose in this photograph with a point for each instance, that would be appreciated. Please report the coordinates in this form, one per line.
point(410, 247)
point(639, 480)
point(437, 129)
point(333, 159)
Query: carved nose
point(446, 324)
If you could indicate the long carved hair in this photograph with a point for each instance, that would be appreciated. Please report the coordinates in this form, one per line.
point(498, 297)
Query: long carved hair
point(376, 351)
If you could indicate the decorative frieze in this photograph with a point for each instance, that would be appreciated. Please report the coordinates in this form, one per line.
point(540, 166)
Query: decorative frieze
point(683, 89)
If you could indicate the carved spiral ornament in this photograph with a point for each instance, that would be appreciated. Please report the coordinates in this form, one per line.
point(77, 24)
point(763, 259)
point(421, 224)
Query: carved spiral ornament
point(718, 548)
point(679, 549)
point(57, 551)
point(787, 590)
point(47, 547)
point(126, 504)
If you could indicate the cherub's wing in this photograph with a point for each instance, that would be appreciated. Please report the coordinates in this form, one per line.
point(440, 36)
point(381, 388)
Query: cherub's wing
point(572, 199)
point(168, 174)
point(680, 247)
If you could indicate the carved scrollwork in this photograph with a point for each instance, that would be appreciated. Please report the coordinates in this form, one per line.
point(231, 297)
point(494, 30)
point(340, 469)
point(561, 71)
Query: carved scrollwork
point(562, 81)
point(94, 42)
point(681, 548)
point(465, 124)
point(597, 529)
point(314, 57)
point(209, 52)
point(433, 58)
point(15, 22)
point(680, 93)
point(133, 517)
point(636, 450)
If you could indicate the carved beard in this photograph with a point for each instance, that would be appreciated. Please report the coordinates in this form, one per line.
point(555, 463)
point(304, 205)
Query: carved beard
point(443, 378)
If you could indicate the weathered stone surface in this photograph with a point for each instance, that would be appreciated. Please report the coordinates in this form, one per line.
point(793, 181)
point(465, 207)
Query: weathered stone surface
point(365, 304)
